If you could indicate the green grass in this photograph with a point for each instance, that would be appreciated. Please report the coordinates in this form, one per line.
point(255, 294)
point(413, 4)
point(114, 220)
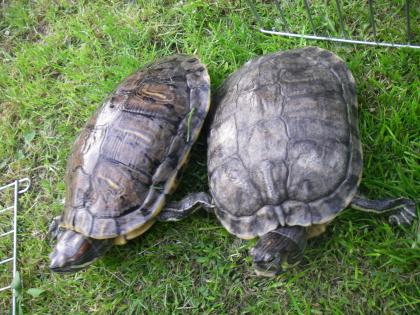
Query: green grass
point(60, 59)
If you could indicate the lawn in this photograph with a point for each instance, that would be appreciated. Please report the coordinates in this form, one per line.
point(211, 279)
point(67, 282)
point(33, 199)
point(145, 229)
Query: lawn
point(60, 59)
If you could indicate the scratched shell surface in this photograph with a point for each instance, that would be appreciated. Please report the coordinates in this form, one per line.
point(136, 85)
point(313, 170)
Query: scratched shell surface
point(126, 159)
point(284, 145)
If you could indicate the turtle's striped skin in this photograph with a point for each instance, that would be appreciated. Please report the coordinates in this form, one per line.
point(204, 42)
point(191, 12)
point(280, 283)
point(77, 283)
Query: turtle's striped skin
point(127, 158)
point(284, 144)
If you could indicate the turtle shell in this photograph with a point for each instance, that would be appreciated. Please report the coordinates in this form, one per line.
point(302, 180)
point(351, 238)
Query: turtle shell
point(126, 159)
point(283, 147)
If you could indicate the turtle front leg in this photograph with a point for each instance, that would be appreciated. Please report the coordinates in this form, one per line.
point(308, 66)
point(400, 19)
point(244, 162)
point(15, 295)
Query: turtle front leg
point(403, 210)
point(278, 250)
point(178, 210)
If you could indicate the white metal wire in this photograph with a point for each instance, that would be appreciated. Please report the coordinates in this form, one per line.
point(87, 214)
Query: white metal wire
point(340, 40)
point(277, 6)
point(15, 185)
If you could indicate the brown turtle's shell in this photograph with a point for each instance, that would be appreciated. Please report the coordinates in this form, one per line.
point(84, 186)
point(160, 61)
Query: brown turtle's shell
point(284, 145)
point(126, 159)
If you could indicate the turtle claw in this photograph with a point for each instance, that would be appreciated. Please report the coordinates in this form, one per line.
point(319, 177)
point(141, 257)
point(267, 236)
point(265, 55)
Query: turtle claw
point(54, 230)
point(406, 213)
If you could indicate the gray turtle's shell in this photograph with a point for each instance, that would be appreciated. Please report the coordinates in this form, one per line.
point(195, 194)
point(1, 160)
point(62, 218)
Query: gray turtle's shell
point(125, 161)
point(284, 145)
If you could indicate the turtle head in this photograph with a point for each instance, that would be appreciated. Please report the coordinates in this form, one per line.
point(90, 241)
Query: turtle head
point(75, 251)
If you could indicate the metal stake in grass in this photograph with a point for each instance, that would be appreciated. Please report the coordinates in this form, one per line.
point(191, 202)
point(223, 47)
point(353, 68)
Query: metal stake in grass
point(407, 19)
point(310, 16)
point(283, 17)
point(16, 192)
point(372, 18)
point(340, 16)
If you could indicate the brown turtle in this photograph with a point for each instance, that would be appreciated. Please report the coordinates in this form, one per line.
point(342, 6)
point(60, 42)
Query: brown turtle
point(284, 155)
point(126, 160)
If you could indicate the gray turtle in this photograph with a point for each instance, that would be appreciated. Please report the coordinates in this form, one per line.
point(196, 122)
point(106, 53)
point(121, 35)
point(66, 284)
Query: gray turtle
point(284, 155)
point(127, 159)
